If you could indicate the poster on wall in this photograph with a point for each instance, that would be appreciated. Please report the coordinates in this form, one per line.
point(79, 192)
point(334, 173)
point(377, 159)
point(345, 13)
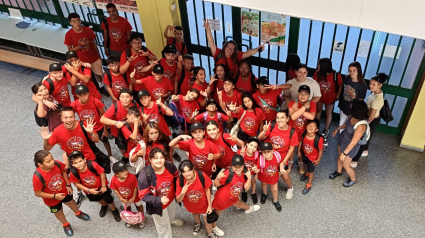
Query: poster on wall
point(122, 5)
point(86, 3)
point(215, 24)
point(273, 28)
point(338, 46)
point(250, 23)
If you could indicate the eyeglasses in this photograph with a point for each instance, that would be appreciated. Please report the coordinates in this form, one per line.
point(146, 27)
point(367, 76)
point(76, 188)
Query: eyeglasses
point(230, 48)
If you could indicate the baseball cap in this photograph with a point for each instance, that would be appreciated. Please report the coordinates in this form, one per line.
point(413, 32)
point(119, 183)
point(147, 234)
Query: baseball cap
point(305, 88)
point(81, 89)
point(142, 93)
point(125, 90)
point(253, 138)
point(135, 35)
point(212, 217)
point(158, 69)
point(119, 167)
point(263, 80)
point(196, 125)
point(266, 146)
point(211, 101)
point(237, 160)
point(55, 67)
point(70, 54)
point(76, 153)
point(170, 49)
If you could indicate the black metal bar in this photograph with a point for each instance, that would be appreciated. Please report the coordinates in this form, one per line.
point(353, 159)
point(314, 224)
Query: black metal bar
point(345, 47)
point(321, 39)
point(358, 43)
point(196, 22)
point(382, 53)
point(185, 25)
point(308, 42)
point(333, 41)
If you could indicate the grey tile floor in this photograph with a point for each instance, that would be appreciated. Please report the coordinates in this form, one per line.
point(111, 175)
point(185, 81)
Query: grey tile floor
point(387, 201)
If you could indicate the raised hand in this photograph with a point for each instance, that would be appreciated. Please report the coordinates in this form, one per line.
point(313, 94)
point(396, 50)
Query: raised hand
point(136, 121)
point(272, 87)
point(185, 137)
point(232, 106)
point(87, 65)
point(228, 113)
point(132, 58)
point(210, 156)
point(45, 134)
point(219, 93)
point(133, 74)
point(144, 53)
point(248, 173)
point(266, 126)
point(207, 25)
point(194, 114)
point(90, 125)
point(141, 153)
point(262, 46)
point(213, 79)
point(68, 67)
point(204, 93)
point(180, 58)
point(220, 175)
point(255, 169)
point(145, 116)
point(76, 65)
point(243, 150)
point(186, 187)
point(175, 98)
point(159, 101)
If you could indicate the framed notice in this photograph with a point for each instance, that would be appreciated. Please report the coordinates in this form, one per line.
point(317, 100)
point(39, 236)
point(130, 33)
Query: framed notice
point(122, 5)
point(273, 28)
point(250, 23)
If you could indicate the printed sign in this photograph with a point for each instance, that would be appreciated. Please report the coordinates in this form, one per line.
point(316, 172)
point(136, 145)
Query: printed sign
point(250, 23)
point(273, 28)
point(87, 3)
point(338, 46)
point(215, 24)
point(122, 5)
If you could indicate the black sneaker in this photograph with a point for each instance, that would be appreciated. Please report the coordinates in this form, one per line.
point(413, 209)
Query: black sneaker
point(277, 206)
point(306, 190)
point(304, 177)
point(349, 183)
point(68, 230)
point(104, 92)
point(325, 133)
point(83, 216)
point(116, 214)
point(254, 198)
point(125, 159)
point(263, 198)
point(325, 142)
point(244, 197)
point(334, 175)
point(102, 211)
point(79, 199)
point(177, 157)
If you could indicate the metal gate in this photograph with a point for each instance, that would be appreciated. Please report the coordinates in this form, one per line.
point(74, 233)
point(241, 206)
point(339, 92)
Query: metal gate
point(400, 57)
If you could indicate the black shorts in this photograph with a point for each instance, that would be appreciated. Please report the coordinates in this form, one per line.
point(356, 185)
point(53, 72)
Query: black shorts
point(121, 147)
point(100, 133)
point(107, 197)
point(58, 207)
point(309, 166)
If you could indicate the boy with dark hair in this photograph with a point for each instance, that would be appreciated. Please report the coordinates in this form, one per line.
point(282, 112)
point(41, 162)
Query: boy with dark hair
point(132, 129)
point(114, 80)
point(168, 62)
point(177, 40)
point(57, 86)
point(213, 115)
point(47, 106)
point(311, 150)
point(187, 107)
point(90, 177)
point(157, 85)
point(116, 32)
point(184, 73)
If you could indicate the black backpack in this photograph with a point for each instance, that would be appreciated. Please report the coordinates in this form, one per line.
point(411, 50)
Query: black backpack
point(231, 174)
point(159, 109)
point(76, 174)
point(385, 112)
point(41, 121)
point(316, 139)
point(149, 175)
point(51, 85)
point(121, 141)
point(36, 173)
point(200, 175)
point(336, 81)
point(179, 84)
point(183, 45)
point(253, 84)
point(291, 132)
point(101, 158)
point(105, 22)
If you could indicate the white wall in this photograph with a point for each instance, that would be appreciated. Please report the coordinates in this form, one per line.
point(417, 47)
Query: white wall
point(402, 17)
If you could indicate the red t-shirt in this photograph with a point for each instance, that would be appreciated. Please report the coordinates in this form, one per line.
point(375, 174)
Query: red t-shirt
point(327, 87)
point(61, 93)
point(89, 179)
point(187, 108)
point(90, 85)
point(225, 151)
point(250, 160)
point(179, 45)
point(195, 200)
point(138, 64)
point(185, 85)
point(87, 53)
point(169, 71)
point(242, 86)
point(55, 183)
point(251, 121)
point(200, 88)
point(120, 116)
point(270, 173)
point(236, 97)
point(165, 186)
point(301, 122)
point(280, 139)
point(198, 156)
point(125, 188)
point(130, 142)
point(118, 83)
point(71, 140)
point(233, 67)
point(157, 117)
point(118, 33)
point(309, 150)
point(156, 88)
point(89, 110)
point(271, 99)
point(228, 195)
point(204, 118)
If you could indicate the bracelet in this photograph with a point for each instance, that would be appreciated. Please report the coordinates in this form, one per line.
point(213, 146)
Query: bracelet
point(68, 185)
point(54, 195)
point(116, 122)
point(88, 191)
point(344, 153)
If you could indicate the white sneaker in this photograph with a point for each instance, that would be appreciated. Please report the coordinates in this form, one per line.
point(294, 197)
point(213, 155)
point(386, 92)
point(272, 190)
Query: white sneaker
point(177, 222)
point(353, 165)
point(252, 208)
point(365, 153)
point(214, 188)
point(218, 231)
point(113, 159)
point(290, 193)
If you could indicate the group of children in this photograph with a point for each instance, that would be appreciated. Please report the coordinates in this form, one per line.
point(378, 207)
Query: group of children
point(234, 128)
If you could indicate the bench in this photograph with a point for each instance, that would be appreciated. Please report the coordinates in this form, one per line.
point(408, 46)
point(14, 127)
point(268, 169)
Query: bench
point(25, 60)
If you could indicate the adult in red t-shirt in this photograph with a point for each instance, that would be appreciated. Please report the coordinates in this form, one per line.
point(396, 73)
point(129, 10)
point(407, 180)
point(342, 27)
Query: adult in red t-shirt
point(269, 94)
point(60, 84)
point(244, 78)
point(177, 40)
point(157, 85)
point(184, 74)
point(229, 96)
point(168, 62)
point(56, 189)
point(117, 33)
point(116, 82)
point(231, 56)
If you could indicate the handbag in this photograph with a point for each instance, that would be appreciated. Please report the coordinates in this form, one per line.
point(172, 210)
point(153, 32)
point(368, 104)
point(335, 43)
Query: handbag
point(140, 163)
point(235, 128)
point(386, 113)
point(130, 217)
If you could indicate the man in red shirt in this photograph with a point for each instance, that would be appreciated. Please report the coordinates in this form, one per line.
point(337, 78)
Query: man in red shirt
point(184, 73)
point(168, 62)
point(177, 40)
point(116, 32)
point(157, 85)
point(81, 39)
point(269, 94)
point(57, 84)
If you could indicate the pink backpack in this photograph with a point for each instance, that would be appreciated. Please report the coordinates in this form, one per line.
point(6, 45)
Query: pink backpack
point(263, 160)
point(132, 217)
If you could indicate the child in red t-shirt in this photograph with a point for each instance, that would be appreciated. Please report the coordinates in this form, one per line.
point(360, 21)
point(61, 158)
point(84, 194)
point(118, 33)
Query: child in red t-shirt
point(134, 135)
point(198, 81)
point(244, 78)
point(157, 85)
point(177, 40)
point(59, 83)
point(221, 72)
point(202, 152)
point(50, 182)
point(310, 154)
point(230, 97)
point(155, 138)
point(251, 152)
point(116, 82)
point(184, 73)
point(195, 194)
point(267, 168)
point(92, 180)
point(188, 107)
point(124, 185)
point(300, 111)
point(212, 115)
